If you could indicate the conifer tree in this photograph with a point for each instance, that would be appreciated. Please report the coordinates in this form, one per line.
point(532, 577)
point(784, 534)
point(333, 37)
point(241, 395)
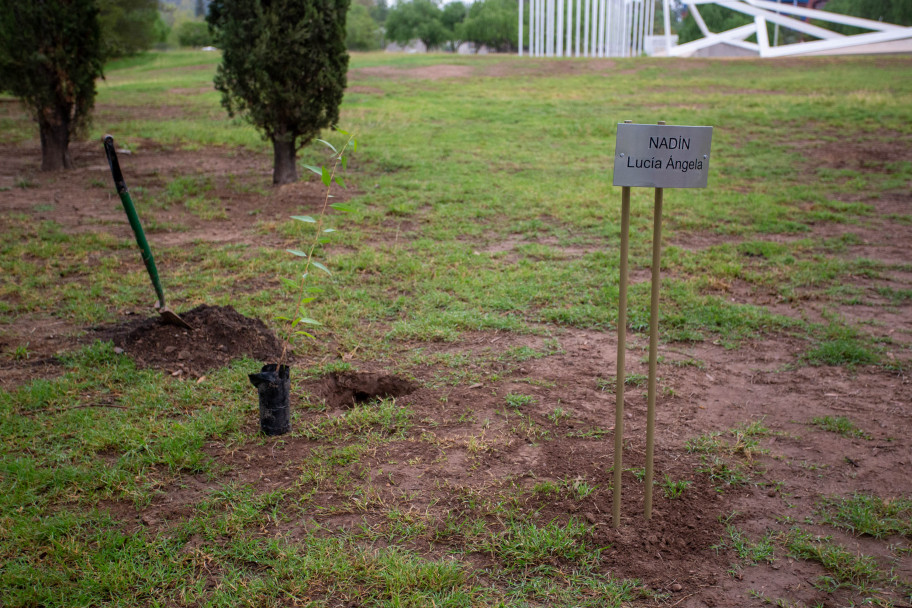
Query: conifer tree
point(50, 56)
point(284, 68)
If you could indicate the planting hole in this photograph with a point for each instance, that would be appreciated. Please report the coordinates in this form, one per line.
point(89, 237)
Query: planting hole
point(345, 389)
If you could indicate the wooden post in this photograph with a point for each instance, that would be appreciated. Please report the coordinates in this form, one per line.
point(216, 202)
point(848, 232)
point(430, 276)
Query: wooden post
point(621, 352)
point(653, 345)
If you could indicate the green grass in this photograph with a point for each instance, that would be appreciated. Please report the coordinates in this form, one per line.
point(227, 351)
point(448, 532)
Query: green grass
point(744, 441)
point(844, 346)
point(484, 206)
point(561, 270)
point(846, 568)
point(896, 296)
point(748, 552)
point(839, 425)
point(382, 419)
point(522, 545)
point(192, 193)
point(727, 458)
point(517, 400)
point(576, 489)
point(673, 489)
point(865, 514)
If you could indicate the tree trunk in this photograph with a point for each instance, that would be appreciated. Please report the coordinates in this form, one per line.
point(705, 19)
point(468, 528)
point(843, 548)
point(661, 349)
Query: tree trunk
point(55, 141)
point(285, 167)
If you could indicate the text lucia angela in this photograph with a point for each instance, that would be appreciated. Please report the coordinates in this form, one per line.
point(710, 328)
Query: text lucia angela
point(673, 164)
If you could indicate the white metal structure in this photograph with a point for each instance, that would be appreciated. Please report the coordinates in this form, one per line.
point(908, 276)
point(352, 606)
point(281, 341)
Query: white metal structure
point(620, 28)
point(881, 38)
point(587, 28)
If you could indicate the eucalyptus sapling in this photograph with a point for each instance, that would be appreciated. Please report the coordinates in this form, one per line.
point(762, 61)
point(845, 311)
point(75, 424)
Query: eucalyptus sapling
point(308, 293)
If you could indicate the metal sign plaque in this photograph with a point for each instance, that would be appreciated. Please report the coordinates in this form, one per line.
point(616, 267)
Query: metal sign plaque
point(662, 156)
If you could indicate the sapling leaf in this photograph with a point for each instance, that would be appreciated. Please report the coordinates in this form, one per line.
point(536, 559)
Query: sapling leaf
point(306, 293)
point(338, 130)
point(321, 267)
point(327, 144)
point(354, 145)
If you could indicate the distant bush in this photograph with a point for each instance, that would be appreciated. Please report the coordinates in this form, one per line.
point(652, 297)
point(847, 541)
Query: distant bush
point(362, 33)
point(129, 27)
point(194, 33)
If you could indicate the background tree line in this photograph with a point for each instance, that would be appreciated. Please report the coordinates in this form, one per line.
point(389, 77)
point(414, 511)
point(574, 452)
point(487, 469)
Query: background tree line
point(131, 26)
point(284, 62)
point(493, 23)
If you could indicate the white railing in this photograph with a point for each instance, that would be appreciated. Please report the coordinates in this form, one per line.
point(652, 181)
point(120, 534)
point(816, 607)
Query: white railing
point(621, 28)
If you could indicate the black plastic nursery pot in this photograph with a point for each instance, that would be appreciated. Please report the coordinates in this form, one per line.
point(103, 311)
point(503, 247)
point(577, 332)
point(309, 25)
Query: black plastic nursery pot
point(273, 384)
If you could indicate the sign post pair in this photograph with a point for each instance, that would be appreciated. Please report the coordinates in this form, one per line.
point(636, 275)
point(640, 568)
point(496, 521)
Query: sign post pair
point(651, 156)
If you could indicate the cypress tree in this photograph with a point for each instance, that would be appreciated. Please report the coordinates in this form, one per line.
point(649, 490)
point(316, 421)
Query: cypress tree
point(50, 56)
point(284, 67)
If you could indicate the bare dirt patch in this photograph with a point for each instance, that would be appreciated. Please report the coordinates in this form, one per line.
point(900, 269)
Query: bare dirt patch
point(432, 72)
point(30, 349)
point(549, 67)
point(870, 154)
point(233, 195)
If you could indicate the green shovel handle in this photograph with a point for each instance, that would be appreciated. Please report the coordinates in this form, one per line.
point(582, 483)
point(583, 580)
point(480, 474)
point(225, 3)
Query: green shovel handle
point(121, 186)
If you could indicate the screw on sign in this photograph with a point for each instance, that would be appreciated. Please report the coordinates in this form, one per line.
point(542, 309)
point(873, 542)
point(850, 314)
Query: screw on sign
point(650, 156)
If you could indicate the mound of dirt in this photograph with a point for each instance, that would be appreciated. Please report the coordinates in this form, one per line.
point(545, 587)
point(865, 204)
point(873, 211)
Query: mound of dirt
point(220, 335)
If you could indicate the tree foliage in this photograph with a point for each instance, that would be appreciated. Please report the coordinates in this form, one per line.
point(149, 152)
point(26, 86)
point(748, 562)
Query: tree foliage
point(379, 9)
point(129, 26)
point(492, 23)
point(50, 56)
point(453, 14)
point(891, 11)
point(417, 19)
point(194, 33)
point(717, 18)
point(283, 68)
point(484, 22)
point(362, 32)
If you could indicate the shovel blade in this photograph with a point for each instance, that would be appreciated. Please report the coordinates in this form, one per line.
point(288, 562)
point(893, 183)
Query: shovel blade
point(171, 318)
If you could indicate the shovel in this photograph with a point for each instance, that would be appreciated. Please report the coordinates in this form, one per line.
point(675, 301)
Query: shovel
point(167, 316)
